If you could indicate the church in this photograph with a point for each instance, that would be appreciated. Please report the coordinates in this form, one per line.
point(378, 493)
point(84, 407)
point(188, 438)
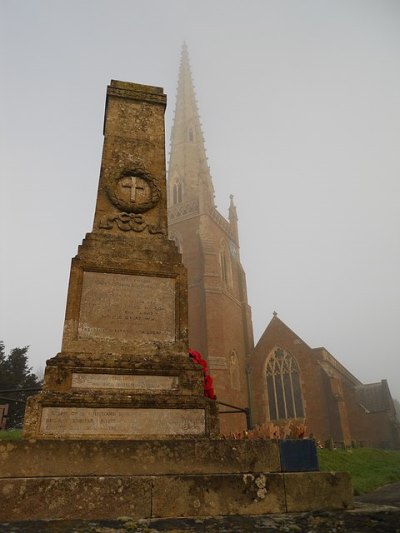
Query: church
point(281, 379)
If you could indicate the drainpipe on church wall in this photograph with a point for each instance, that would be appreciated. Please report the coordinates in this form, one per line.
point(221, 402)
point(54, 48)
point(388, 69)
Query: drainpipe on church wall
point(249, 395)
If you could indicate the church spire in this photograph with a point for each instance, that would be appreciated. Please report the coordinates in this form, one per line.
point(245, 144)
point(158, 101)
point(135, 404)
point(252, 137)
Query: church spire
point(188, 173)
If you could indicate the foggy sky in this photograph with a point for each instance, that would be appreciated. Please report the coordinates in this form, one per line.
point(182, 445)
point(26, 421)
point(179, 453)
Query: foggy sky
point(299, 102)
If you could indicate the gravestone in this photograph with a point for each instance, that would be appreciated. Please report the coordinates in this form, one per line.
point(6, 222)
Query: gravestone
point(124, 370)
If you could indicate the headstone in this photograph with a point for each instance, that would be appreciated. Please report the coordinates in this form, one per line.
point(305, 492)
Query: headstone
point(124, 370)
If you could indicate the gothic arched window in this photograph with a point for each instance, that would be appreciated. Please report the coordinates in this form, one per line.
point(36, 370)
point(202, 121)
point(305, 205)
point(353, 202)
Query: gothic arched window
point(177, 193)
point(226, 273)
point(224, 267)
point(283, 386)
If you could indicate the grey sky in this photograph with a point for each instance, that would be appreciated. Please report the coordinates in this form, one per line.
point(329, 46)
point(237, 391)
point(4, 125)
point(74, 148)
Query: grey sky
point(301, 114)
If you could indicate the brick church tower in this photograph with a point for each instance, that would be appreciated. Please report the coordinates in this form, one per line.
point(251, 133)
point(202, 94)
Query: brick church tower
point(220, 325)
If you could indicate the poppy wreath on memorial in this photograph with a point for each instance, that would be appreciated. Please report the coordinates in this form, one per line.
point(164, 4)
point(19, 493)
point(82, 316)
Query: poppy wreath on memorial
point(208, 380)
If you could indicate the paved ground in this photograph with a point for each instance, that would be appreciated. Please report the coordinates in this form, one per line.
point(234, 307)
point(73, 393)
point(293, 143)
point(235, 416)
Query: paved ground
point(388, 495)
point(377, 512)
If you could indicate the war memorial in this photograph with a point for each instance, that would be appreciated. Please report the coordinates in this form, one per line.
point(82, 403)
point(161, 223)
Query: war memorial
point(122, 426)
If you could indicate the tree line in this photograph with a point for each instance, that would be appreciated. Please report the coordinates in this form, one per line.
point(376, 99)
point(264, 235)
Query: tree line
point(15, 373)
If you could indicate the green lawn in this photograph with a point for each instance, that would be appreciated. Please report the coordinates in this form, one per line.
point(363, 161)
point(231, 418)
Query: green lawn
point(369, 468)
point(10, 434)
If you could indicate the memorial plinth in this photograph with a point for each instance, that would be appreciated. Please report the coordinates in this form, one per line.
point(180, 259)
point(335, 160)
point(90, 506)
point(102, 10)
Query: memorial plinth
point(124, 370)
point(100, 479)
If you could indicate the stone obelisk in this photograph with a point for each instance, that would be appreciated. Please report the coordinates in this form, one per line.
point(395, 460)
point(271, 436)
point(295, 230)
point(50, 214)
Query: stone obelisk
point(124, 370)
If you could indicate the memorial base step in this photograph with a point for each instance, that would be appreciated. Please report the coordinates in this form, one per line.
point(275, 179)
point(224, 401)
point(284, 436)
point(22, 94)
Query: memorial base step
point(94, 479)
point(109, 497)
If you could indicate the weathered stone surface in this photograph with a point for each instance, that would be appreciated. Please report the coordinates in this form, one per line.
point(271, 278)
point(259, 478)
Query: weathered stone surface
point(128, 291)
point(309, 491)
point(119, 415)
point(191, 477)
point(74, 497)
point(127, 307)
point(107, 422)
point(124, 370)
point(175, 471)
point(72, 372)
point(218, 495)
point(140, 496)
point(104, 458)
point(84, 380)
point(120, 322)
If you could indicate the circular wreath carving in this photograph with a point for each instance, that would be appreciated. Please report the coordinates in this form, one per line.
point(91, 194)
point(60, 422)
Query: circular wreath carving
point(133, 190)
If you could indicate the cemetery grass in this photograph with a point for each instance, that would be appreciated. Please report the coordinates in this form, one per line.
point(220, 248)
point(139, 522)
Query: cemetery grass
point(11, 434)
point(370, 468)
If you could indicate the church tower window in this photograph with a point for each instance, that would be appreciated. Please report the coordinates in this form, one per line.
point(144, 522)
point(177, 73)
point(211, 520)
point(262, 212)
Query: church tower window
point(283, 386)
point(225, 265)
point(177, 193)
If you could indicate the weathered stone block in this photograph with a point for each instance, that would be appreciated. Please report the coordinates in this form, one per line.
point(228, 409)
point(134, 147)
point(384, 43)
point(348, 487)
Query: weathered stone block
point(311, 491)
point(218, 495)
point(113, 458)
point(95, 415)
point(74, 497)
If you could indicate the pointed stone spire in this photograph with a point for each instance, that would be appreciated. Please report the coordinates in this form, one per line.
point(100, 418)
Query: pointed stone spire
point(189, 179)
point(233, 219)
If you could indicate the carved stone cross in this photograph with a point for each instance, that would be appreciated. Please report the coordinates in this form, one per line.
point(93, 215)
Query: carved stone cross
point(130, 182)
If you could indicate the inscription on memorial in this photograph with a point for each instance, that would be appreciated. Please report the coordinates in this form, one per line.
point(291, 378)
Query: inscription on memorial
point(85, 421)
point(123, 381)
point(127, 307)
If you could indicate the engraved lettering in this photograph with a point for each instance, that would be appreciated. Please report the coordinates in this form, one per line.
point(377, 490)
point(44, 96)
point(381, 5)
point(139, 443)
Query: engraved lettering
point(127, 307)
point(85, 421)
point(118, 381)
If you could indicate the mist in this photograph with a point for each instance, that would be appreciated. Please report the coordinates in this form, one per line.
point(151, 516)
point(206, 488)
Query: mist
point(301, 118)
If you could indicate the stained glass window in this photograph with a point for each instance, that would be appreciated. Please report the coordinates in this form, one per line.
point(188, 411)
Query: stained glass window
point(283, 386)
